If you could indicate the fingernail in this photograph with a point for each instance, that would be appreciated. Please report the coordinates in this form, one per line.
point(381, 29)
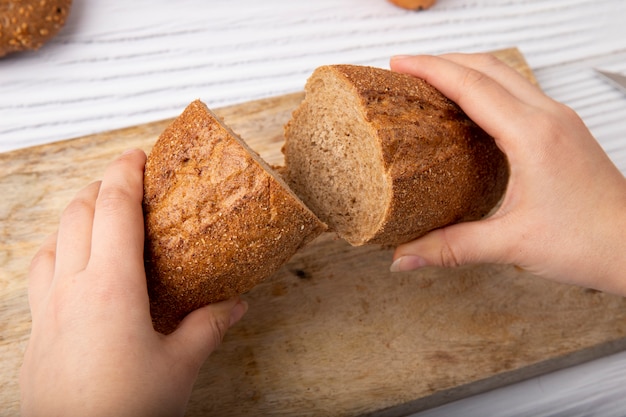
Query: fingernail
point(408, 263)
point(237, 312)
point(399, 57)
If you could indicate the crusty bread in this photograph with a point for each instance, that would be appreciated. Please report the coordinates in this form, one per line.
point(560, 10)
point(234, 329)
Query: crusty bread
point(217, 219)
point(381, 157)
point(28, 24)
point(384, 157)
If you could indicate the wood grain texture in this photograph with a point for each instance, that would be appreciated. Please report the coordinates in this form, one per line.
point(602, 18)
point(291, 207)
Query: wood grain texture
point(333, 332)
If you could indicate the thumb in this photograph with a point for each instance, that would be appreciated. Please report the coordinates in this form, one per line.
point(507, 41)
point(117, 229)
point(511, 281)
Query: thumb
point(460, 244)
point(202, 331)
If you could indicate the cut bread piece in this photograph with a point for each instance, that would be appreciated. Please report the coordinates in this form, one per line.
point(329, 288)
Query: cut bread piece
point(218, 220)
point(384, 157)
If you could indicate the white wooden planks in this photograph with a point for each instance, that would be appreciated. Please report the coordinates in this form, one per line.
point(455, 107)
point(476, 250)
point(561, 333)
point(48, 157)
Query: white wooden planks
point(124, 63)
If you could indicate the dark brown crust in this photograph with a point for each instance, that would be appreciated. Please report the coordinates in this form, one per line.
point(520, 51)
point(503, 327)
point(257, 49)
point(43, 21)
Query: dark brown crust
point(217, 221)
point(29, 24)
point(442, 168)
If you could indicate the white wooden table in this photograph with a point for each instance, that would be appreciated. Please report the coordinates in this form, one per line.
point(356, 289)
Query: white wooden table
point(119, 63)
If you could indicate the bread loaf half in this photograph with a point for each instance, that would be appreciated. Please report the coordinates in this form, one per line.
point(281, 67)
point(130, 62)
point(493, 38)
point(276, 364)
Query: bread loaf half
point(384, 157)
point(217, 219)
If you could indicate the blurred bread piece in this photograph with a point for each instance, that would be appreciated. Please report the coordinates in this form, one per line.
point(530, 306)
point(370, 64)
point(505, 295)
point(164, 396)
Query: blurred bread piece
point(28, 24)
point(218, 220)
point(384, 158)
point(413, 4)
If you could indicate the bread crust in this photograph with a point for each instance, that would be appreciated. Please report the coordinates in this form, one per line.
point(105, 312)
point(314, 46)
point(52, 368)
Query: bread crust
point(28, 24)
point(217, 220)
point(440, 167)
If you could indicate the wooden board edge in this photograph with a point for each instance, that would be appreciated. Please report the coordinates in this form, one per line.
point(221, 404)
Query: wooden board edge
point(502, 380)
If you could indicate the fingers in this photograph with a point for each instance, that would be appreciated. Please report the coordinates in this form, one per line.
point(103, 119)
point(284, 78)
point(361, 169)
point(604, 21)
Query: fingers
point(41, 273)
point(202, 331)
point(117, 242)
point(74, 236)
point(481, 97)
point(460, 244)
point(503, 74)
point(102, 224)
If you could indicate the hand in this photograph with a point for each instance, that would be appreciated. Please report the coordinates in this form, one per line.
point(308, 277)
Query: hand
point(563, 216)
point(92, 350)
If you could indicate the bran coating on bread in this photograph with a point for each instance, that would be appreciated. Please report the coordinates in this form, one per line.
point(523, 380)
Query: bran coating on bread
point(433, 165)
point(28, 24)
point(218, 221)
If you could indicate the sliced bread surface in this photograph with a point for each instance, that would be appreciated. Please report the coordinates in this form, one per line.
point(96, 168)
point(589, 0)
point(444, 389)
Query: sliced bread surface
point(218, 220)
point(384, 157)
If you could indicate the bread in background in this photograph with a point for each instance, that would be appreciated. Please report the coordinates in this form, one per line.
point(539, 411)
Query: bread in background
point(28, 24)
point(413, 4)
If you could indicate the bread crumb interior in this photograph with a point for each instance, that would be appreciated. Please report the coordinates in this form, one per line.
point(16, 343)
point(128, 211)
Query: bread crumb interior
point(333, 161)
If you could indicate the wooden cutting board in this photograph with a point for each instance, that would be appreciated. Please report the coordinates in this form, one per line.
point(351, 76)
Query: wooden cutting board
point(333, 332)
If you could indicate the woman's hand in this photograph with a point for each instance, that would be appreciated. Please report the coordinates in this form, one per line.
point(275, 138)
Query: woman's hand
point(563, 216)
point(93, 351)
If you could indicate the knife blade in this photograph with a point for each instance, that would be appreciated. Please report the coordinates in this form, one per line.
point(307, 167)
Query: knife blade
point(615, 79)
